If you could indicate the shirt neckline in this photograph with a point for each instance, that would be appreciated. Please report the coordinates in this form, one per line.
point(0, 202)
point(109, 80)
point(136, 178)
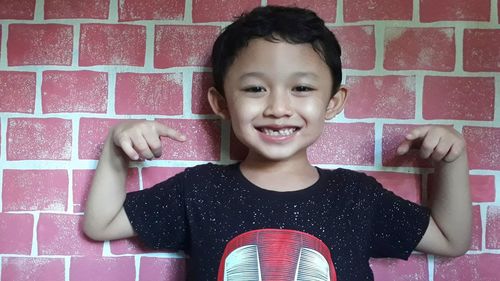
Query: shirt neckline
point(301, 194)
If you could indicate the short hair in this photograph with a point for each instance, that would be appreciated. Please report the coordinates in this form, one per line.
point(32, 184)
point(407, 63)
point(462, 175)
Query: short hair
point(276, 23)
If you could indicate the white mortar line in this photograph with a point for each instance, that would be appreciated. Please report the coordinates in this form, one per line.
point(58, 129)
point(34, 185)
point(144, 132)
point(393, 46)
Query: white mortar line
point(339, 17)
point(3, 45)
point(39, 6)
point(150, 47)
point(379, 128)
point(188, 12)
point(187, 94)
point(38, 94)
point(416, 12)
point(494, 12)
point(34, 243)
point(379, 32)
point(113, 11)
point(419, 95)
point(76, 45)
point(67, 268)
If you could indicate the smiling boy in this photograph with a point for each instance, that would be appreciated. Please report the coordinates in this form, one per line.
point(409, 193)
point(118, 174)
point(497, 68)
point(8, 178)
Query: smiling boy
point(274, 216)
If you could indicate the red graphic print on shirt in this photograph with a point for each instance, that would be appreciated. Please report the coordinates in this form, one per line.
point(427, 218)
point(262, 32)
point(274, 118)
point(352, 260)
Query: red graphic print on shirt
point(276, 255)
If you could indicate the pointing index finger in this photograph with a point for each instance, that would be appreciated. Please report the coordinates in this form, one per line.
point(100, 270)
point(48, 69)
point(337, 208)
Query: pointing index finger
point(164, 131)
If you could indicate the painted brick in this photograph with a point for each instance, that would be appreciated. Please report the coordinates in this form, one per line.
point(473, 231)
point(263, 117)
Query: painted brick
point(33, 190)
point(349, 143)
point(477, 229)
point(38, 139)
point(131, 246)
point(414, 269)
point(453, 10)
point(183, 45)
point(482, 188)
point(17, 9)
point(481, 267)
point(154, 175)
point(17, 233)
point(481, 50)
point(202, 81)
point(405, 49)
point(381, 97)
point(407, 186)
point(131, 10)
point(493, 227)
point(138, 93)
point(326, 9)
point(32, 268)
point(102, 268)
point(82, 180)
point(360, 10)
point(18, 91)
point(39, 44)
point(112, 44)
point(166, 269)
point(221, 10)
point(202, 144)
point(358, 46)
point(64, 9)
point(483, 148)
point(74, 91)
point(450, 98)
point(91, 137)
point(393, 135)
point(60, 234)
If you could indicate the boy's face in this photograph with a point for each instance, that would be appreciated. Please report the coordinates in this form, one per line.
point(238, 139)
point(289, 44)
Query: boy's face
point(277, 96)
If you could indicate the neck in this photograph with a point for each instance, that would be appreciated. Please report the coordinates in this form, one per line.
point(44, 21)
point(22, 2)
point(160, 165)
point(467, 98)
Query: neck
point(287, 175)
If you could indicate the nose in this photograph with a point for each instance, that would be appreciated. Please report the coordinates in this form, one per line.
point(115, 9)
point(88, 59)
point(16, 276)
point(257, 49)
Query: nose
point(278, 105)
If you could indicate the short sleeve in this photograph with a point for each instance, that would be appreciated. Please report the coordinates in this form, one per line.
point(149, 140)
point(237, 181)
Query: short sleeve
point(158, 214)
point(398, 225)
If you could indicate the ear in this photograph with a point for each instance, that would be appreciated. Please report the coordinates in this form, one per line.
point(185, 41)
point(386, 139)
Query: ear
point(336, 103)
point(218, 103)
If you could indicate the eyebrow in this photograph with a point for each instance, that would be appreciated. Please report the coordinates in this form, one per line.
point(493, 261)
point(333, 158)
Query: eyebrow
point(296, 74)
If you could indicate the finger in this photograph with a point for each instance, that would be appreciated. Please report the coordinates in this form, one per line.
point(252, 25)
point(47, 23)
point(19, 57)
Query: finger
point(165, 131)
point(404, 147)
point(429, 143)
point(126, 146)
point(441, 150)
point(154, 143)
point(455, 152)
point(141, 146)
point(418, 133)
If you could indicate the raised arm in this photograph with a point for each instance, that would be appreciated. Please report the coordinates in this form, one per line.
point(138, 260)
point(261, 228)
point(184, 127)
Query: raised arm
point(449, 231)
point(105, 218)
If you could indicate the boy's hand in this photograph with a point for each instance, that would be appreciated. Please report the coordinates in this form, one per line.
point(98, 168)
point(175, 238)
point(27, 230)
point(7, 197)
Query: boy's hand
point(439, 143)
point(141, 138)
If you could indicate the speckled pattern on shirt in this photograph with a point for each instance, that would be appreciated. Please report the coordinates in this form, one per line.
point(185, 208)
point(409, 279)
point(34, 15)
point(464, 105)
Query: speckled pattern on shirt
point(201, 209)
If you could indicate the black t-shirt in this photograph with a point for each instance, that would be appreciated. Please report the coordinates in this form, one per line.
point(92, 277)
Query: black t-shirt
point(231, 227)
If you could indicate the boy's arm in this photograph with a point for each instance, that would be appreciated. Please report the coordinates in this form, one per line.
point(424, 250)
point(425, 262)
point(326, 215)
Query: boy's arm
point(449, 230)
point(105, 217)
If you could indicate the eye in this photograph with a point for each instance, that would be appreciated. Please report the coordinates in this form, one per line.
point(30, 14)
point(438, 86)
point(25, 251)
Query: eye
point(302, 89)
point(254, 89)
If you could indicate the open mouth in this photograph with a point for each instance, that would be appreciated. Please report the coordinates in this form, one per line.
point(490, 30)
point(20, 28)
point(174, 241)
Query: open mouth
point(281, 132)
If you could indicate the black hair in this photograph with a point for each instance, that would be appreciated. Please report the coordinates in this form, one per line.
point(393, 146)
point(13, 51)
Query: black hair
point(275, 23)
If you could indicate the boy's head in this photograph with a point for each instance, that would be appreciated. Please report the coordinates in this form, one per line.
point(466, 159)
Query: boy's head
point(273, 23)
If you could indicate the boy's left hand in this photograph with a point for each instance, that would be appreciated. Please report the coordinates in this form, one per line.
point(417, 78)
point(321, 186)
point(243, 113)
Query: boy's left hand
point(439, 143)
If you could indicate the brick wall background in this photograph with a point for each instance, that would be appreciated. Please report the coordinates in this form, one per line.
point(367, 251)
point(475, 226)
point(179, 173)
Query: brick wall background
point(71, 69)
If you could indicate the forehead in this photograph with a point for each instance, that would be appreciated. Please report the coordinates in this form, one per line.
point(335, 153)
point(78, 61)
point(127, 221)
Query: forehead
point(269, 57)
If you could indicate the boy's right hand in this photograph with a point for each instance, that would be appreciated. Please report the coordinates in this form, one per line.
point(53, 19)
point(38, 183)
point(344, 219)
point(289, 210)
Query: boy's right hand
point(140, 139)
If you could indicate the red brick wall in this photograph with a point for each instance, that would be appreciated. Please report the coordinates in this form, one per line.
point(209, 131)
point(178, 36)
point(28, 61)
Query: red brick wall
point(71, 69)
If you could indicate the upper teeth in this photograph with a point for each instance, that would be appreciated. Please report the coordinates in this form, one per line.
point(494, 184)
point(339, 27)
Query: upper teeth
point(281, 132)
